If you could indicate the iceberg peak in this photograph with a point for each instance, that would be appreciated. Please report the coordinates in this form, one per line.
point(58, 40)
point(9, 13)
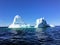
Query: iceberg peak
point(18, 20)
point(17, 16)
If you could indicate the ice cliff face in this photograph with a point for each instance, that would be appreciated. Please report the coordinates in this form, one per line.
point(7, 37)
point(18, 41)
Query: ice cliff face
point(41, 23)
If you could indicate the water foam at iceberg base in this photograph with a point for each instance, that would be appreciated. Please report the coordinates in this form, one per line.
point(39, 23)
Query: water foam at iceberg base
point(18, 23)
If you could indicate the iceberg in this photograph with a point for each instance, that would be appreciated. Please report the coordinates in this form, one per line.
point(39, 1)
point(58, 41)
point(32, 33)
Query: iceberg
point(18, 23)
point(41, 22)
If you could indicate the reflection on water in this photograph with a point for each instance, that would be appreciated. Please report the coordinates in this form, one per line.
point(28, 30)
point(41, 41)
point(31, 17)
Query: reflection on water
point(30, 36)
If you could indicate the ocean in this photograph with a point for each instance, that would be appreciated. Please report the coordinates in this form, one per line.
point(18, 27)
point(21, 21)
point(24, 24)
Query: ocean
point(30, 36)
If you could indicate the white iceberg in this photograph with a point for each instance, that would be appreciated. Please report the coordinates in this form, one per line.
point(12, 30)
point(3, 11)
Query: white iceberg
point(18, 23)
point(41, 22)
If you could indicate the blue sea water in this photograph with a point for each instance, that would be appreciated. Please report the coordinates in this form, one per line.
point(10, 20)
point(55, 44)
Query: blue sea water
point(30, 36)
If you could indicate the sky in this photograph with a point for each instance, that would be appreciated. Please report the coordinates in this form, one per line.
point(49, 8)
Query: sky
point(30, 10)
